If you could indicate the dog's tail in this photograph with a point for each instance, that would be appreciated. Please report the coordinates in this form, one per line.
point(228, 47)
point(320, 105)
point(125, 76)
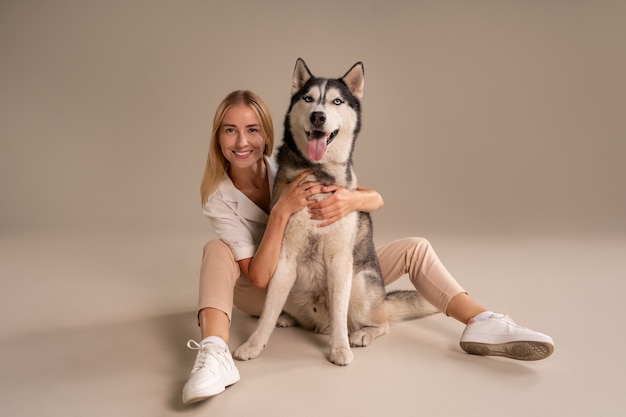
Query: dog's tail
point(406, 305)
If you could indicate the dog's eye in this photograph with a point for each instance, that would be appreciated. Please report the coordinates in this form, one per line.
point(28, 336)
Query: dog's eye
point(337, 101)
point(308, 99)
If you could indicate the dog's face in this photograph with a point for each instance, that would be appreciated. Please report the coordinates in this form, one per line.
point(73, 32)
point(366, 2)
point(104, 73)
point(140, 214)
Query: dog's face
point(324, 116)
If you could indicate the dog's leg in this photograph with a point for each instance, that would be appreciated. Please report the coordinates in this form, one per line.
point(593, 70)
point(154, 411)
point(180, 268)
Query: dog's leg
point(277, 293)
point(339, 286)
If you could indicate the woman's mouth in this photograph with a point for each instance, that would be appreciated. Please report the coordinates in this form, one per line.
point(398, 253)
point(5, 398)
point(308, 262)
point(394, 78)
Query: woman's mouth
point(242, 154)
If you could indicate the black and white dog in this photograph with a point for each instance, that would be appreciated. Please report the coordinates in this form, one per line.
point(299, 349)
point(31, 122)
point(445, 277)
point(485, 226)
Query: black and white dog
point(328, 278)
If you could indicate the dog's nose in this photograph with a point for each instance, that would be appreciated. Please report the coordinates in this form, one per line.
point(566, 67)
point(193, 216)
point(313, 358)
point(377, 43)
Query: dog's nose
point(318, 118)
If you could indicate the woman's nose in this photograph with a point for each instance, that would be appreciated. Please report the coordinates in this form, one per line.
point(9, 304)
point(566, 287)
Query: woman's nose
point(242, 139)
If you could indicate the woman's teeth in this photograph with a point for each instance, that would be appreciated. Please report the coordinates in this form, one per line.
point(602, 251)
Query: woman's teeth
point(243, 153)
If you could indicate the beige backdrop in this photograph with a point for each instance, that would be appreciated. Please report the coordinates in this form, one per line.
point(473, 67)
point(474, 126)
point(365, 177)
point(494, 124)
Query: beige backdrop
point(494, 128)
point(479, 117)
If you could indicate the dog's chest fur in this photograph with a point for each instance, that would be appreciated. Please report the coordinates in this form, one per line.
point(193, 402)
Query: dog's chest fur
point(321, 109)
point(310, 245)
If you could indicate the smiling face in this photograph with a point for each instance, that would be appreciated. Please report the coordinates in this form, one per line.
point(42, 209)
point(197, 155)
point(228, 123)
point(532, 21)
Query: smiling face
point(240, 137)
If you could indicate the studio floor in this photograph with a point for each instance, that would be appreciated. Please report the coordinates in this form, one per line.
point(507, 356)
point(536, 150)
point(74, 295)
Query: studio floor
point(96, 325)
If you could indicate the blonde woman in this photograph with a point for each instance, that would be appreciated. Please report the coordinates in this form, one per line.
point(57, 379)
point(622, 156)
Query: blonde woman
point(236, 269)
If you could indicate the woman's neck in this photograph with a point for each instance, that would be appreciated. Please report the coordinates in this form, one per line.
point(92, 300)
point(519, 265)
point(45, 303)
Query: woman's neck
point(254, 183)
point(251, 177)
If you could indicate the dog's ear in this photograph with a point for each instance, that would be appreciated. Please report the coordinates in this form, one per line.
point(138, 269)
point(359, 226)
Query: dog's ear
point(355, 79)
point(301, 75)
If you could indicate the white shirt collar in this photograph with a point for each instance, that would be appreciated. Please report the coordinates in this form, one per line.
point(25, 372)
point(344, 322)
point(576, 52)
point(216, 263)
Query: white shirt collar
point(244, 206)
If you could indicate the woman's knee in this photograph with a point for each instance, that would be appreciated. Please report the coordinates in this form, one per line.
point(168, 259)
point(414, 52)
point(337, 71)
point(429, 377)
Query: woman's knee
point(216, 246)
point(417, 246)
point(218, 261)
point(418, 241)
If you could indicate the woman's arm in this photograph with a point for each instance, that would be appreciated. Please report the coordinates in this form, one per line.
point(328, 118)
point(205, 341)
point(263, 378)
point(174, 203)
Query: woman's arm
point(260, 268)
point(344, 201)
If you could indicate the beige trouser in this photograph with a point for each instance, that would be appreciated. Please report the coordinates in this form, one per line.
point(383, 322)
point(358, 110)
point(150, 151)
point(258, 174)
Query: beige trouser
point(222, 285)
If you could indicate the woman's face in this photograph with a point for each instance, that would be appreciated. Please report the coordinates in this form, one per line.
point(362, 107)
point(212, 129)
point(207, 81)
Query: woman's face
point(240, 137)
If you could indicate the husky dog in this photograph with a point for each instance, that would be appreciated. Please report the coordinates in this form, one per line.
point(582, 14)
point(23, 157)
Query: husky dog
point(328, 278)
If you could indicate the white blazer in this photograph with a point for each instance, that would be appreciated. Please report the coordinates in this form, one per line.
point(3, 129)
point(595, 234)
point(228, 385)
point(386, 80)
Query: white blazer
point(236, 219)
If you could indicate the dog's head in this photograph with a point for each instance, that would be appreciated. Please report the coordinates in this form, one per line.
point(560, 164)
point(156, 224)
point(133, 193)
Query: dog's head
point(325, 113)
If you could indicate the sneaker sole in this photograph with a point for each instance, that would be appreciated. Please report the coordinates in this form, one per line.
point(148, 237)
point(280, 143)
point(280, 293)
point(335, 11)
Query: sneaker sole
point(522, 350)
point(194, 398)
point(190, 398)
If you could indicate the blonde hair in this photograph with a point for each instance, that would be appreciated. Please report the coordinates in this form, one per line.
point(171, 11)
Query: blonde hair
point(216, 165)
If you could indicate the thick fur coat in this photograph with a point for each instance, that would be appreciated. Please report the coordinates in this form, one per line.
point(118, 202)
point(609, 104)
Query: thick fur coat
point(328, 278)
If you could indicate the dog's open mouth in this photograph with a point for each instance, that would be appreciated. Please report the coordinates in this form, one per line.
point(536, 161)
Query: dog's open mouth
point(318, 140)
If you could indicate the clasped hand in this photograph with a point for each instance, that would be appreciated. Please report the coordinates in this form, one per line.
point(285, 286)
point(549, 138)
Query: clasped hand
point(299, 194)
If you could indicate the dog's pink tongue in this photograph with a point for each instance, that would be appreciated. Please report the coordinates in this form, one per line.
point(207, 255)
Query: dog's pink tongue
point(316, 148)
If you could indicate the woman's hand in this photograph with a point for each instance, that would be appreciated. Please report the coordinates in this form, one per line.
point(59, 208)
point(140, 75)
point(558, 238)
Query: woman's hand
point(294, 195)
point(343, 202)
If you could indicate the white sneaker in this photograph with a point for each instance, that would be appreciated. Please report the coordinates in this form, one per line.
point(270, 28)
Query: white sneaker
point(501, 336)
point(212, 372)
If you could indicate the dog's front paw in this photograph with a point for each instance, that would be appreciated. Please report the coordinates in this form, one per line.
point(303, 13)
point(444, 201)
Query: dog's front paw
point(248, 351)
point(341, 356)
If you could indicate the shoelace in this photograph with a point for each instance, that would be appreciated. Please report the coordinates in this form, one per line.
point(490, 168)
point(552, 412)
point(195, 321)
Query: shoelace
point(192, 344)
point(205, 354)
point(201, 357)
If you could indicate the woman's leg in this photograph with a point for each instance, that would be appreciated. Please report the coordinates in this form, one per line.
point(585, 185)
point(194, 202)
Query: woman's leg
point(213, 322)
point(218, 275)
point(463, 307)
point(213, 369)
point(221, 286)
point(486, 333)
point(248, 298)
point(416, 257)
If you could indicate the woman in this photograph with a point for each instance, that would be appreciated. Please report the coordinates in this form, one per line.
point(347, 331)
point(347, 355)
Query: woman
point(236, 269)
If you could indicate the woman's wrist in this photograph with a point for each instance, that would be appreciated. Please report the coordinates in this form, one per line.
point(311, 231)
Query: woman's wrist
point(368, 200)
point(279, 214)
